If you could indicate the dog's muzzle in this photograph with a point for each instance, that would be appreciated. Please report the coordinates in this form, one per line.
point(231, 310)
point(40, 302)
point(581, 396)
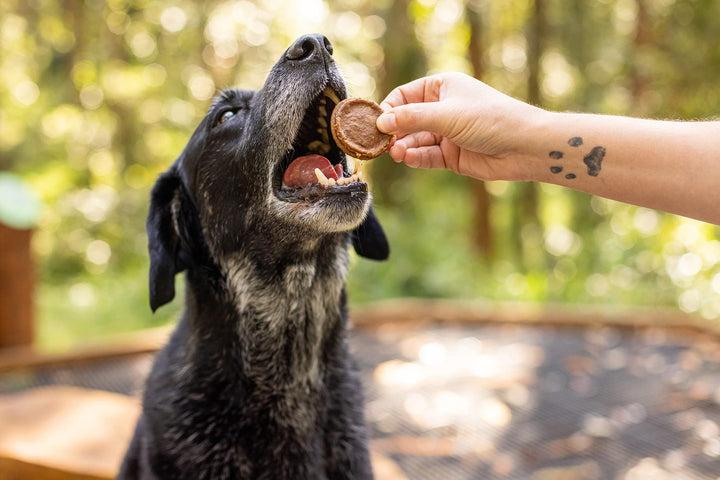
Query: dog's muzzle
point(315, 166)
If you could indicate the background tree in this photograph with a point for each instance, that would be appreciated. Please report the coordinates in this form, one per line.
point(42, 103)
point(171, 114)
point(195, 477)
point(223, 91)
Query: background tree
point(483, 234)
point(97, 98)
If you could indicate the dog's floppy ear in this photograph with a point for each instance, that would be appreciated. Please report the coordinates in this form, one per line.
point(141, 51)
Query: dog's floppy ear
point(163, 239)
point(369, 238)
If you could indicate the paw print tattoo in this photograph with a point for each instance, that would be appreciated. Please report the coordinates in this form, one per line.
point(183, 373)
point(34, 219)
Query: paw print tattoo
point(592, 160)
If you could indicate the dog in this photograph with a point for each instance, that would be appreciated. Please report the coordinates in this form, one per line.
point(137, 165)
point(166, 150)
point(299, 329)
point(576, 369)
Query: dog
point(256, 382)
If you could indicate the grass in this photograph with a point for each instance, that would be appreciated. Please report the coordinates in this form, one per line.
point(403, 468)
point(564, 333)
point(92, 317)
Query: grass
point(97, 306)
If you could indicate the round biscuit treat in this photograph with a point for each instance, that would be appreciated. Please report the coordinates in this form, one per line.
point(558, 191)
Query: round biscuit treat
point(353, 128)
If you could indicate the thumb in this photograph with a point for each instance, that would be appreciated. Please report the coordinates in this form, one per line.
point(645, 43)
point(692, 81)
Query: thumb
point(415, 117)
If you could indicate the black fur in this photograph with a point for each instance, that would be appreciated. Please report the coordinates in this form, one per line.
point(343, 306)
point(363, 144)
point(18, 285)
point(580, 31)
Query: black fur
point(256, 381)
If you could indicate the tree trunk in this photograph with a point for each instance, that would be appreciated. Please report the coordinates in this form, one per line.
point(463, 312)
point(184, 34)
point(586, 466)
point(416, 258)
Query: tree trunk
point(535, 42)
point(527, 195)
point(643, 39)
point(404, 61)
point(483, 233)
point(75, 16)
point(577, 46)
point(584, 220)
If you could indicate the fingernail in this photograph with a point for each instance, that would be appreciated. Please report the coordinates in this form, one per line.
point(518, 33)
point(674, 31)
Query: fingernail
point(387, 123)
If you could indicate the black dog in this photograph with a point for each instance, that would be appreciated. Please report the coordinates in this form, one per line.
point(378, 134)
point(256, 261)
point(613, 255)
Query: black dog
point(256, 382)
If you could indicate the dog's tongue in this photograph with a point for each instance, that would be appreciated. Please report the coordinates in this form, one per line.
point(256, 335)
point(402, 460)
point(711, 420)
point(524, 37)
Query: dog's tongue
point(301, 171)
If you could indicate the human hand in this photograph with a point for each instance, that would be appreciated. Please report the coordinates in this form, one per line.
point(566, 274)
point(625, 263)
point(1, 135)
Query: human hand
point(454, 121)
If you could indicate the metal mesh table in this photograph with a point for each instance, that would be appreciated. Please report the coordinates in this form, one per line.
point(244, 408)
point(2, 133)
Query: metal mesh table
point(524, 402)
point(517, 402)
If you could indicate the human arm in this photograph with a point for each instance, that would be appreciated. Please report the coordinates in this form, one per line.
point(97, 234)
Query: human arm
point(478, 131)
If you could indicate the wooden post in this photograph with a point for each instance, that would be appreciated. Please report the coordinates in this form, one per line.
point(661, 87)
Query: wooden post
point(16, 288)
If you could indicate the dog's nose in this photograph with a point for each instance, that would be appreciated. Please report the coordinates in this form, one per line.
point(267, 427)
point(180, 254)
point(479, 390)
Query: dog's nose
point(310, 47)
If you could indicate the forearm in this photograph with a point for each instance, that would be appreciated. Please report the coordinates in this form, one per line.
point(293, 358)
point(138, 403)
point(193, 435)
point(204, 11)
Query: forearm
point(669, 166)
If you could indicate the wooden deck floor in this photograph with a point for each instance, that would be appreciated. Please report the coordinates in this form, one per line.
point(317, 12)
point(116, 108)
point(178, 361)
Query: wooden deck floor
point(516, 401)
point(544, 403)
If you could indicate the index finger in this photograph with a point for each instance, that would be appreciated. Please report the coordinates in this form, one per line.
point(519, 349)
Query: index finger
point(424, 89)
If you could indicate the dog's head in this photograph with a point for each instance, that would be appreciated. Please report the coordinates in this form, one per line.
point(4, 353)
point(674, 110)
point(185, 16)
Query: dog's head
point(246, 179)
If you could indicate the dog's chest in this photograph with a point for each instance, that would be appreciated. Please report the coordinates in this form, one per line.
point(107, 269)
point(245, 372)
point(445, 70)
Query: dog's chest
point(245, 446)
point(284, 319)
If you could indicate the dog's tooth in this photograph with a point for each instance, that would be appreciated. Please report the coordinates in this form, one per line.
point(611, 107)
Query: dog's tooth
point(341, 181)
point(324, 136)
point(322, 122)
point(322, 111)
point(318, 146)
point(330, 93)
point(352, 164)
point(321, 177)
point(332, 181)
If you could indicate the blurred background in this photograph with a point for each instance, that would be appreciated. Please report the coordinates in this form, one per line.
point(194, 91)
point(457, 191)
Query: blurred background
point(98, 98)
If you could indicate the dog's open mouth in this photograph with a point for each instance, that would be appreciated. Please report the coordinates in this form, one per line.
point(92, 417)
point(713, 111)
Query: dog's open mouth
point(315, 166)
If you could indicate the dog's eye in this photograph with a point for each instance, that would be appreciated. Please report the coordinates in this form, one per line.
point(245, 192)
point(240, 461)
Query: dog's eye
point(225, 116)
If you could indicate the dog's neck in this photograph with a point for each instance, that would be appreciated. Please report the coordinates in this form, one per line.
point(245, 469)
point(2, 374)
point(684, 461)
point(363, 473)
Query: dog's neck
point(281, 312)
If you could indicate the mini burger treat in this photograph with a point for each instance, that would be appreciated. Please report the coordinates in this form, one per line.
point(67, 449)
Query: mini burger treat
point(353, 128)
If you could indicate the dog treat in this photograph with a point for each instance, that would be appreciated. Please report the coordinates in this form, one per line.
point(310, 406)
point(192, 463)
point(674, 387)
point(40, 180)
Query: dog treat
point(353, 128)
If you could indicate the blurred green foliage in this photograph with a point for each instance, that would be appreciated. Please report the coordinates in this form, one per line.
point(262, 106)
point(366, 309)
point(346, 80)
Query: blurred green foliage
point(97, 98)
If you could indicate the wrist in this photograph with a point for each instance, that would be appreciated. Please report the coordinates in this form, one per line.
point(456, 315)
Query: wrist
point(531, 144)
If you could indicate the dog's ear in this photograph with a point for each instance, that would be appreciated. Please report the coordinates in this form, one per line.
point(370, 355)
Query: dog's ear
point(369, 238)
point(164, 241)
